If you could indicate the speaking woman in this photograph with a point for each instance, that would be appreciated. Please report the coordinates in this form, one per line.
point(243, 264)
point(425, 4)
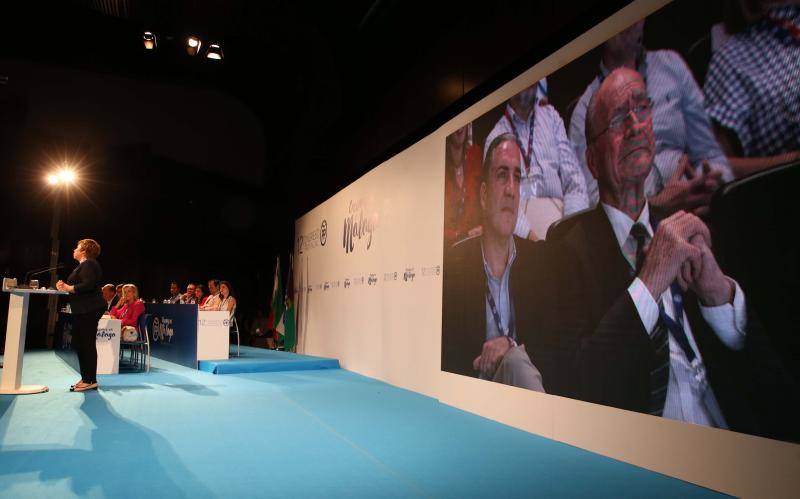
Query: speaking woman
point(86, 301)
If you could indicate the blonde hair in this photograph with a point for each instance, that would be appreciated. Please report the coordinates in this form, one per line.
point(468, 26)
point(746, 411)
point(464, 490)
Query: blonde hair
point(90, 247)
point(135, 290)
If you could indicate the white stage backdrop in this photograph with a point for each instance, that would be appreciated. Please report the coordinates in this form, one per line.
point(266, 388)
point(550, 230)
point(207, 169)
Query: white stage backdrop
point(368, 270)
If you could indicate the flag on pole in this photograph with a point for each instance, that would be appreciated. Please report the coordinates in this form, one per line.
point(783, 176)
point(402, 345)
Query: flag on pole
point(289, 326)
point(276, 311)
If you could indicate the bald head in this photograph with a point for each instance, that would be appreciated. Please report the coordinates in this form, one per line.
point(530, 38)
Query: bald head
point(619, 134)
point(617, 82)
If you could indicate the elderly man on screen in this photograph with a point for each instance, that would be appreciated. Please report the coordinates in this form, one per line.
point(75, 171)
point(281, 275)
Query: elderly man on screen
point(646, 304)
point(689, 164)
point(488, 298)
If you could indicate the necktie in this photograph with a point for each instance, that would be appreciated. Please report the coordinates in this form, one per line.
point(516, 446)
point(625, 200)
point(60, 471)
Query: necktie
point(640, 235)
point(659, 374)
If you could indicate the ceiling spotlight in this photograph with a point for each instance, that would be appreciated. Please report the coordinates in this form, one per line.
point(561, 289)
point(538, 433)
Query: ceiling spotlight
point(193, 45)
point(214, 52)
point(149, 40)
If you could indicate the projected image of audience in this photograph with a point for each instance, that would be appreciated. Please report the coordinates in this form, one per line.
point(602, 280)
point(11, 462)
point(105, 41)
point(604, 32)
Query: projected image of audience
point(617, 232)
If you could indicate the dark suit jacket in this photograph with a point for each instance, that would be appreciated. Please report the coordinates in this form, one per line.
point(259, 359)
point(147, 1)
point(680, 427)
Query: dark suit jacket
point(113, 303)
point(464, 300)
point(608, 354)
point(87, 296)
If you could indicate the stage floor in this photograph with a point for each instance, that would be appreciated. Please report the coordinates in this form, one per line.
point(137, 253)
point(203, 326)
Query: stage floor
point(178, 432)
point(261, 360)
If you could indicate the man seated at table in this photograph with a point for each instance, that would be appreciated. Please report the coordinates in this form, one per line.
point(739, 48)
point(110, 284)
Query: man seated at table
point(188, 297)
point(174, 293)
point(110, 296)
point(213, 302)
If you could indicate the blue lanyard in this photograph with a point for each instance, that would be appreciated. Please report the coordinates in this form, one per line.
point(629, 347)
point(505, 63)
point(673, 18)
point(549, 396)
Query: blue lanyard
point(675, 326)
point(509, 331)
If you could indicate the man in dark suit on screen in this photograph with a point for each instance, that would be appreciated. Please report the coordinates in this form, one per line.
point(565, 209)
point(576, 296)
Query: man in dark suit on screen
point(490, 287)
point(647, 320)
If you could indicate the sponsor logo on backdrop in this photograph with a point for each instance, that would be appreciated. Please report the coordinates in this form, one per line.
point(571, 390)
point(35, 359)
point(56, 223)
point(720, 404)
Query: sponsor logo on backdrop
point(390, 276)
point(106, 334)
point(431, 271)
point(314, 239)
point(358, 281)
point(373, 279)
point(359, 225)
point(327, 286)
point(162, 329)
point(309, 288)
point(346, 283)
point(409, 274)
point(213, 322)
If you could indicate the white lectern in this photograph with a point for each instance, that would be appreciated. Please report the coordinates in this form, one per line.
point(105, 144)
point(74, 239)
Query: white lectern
point(11, 381)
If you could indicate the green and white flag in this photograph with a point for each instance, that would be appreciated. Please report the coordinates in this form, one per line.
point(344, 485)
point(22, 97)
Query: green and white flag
point(277, 300)
point(289, 326)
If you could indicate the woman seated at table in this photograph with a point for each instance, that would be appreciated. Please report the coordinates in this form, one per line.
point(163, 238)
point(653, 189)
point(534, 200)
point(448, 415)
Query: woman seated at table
point(228, 302)
point(128, 311)
point(200, 296)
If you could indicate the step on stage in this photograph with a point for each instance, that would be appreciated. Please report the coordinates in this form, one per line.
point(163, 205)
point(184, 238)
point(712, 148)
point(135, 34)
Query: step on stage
point(260, 360)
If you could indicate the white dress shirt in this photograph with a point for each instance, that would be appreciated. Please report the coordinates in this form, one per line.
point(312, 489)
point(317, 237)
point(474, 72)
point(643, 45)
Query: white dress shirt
point(689, 396)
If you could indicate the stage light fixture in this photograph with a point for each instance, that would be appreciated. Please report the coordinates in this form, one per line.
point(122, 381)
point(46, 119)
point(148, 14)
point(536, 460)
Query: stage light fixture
point(214, 52)
point(52, 179)
point(149, 40)
point(193, 45)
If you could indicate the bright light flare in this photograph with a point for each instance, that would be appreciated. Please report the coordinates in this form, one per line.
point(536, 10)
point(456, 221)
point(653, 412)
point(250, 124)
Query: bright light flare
point(66, 176)
point(63, 176)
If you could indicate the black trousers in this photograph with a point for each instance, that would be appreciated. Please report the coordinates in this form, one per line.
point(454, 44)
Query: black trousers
point(84, 338)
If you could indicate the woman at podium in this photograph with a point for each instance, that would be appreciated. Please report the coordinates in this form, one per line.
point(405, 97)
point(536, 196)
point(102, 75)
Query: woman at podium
point(86, 301)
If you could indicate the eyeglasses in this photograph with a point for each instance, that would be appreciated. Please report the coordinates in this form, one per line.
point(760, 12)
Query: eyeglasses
point(617, 123)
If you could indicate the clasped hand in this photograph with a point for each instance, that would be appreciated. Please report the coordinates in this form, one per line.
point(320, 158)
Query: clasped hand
point(688, 190)
point(681, 250)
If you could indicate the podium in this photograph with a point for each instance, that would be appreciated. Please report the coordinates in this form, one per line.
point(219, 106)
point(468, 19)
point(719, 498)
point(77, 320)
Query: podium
point(11, 381)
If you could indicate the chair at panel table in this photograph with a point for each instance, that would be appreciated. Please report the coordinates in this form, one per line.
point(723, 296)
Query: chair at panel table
point(140, 347)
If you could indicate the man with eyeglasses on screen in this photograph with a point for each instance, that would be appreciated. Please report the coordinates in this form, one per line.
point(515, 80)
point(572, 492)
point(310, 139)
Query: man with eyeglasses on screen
point(652, 320)
point(689, 164)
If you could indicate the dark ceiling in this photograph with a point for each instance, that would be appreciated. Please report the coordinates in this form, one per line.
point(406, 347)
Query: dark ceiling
point(336, 86)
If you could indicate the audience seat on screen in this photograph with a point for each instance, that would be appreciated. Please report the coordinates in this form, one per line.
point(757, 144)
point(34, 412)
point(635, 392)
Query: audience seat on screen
point(140, 349)
point(754, 224)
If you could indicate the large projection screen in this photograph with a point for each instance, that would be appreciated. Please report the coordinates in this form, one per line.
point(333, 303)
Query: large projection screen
point(385, 271)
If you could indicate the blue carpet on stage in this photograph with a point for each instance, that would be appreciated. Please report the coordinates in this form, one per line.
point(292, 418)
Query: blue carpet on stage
point(260, 360)
point(179, 432)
